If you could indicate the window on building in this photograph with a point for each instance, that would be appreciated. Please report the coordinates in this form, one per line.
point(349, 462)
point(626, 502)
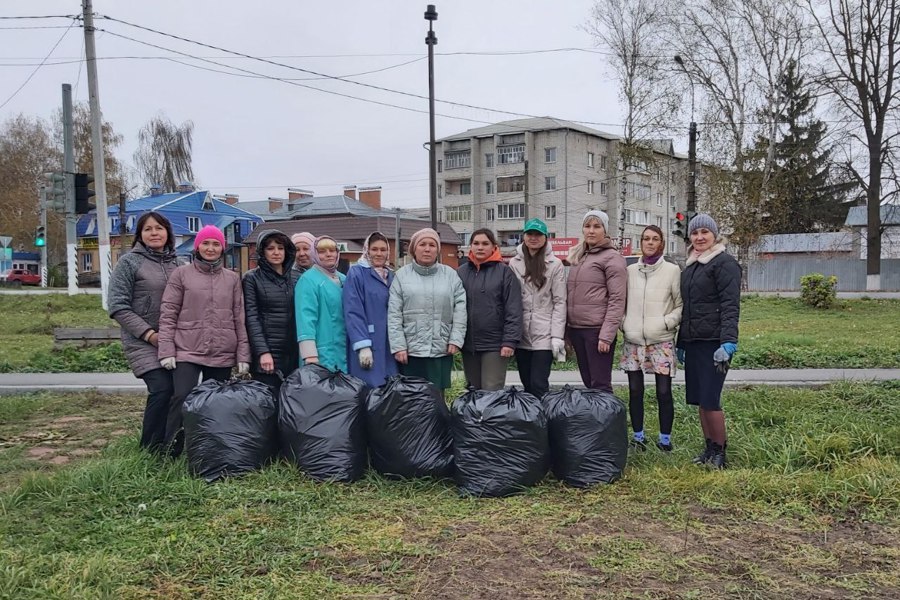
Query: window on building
point(590, 186)
point(511, 211)
point(550, 155)
point(193, 224)
point(91, 227)
point(507, 155)
point(590, 159)
point(672, 247)
point(604, 188)
point(87, 262)
point(489, 160)
point(672, 177)
point(458, 160)
point(129, 224)
point(672, 200)
point(550, 182)
point(659, 221)
point(464, 238)
point(489, 187)
point(440, 166)
point(465, 188)
point(550, 211)
point(114, 224)
point(659, 199)
point(510, 184)
point(441, 216)
point(459, 213)
point(440, 191)
point(602, 162)
point(489, 214)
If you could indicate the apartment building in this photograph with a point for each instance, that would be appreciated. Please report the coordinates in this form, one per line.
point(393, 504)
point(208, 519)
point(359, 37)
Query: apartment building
point(501, 175)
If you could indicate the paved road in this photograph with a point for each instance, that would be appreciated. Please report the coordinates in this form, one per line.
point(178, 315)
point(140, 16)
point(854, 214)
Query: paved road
point(13, 383)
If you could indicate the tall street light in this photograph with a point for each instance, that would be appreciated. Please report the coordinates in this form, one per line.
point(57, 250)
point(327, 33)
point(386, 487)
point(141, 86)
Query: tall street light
point(430, 40)
point(692, 146)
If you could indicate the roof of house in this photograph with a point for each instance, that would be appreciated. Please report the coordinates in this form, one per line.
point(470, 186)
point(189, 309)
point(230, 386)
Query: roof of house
point(522, 125)
point(890, 215)
point(358, 228)
point(839, 241)
point(312, 207)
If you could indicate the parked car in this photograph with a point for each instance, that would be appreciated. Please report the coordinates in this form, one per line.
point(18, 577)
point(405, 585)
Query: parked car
point(23, 276)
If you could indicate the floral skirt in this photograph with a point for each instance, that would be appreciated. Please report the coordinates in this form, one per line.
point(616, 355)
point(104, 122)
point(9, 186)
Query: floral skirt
point(655, 358)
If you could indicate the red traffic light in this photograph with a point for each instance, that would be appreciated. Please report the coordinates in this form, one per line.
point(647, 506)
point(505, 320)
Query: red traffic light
point(680, 216)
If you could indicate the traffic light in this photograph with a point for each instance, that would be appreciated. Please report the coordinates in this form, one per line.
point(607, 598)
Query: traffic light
point(680, 229)
point(56, 191)
point(40, 236)
point(83, 193)
point(404, 249)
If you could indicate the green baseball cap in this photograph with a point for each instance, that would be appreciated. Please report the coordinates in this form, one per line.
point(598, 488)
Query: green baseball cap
point(535, 225)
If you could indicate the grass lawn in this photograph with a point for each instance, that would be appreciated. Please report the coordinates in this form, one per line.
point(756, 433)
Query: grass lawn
point(808, 510)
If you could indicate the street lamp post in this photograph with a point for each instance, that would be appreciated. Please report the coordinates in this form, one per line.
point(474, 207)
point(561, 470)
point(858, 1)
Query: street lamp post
point(692, 146)
point(430, 40)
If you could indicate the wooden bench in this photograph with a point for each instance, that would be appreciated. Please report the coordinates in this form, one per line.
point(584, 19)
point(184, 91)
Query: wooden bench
point(84, 337)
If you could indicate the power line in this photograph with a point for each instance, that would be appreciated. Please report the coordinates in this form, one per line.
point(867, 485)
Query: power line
point(15, 18)
point(38, 67)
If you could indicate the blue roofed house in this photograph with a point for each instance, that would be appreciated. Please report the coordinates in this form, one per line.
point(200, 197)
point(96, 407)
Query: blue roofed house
point(188, 210)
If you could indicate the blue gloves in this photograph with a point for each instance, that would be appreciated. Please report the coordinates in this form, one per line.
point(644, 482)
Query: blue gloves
point(730, 348)
point(722, 356)
point(679, 353)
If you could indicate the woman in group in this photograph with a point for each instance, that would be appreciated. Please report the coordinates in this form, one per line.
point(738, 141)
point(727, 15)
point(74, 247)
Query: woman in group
point(269, 307)
point(652, 315)
point(366, 294)
point(201, 326)
point(595, 302)
point(426, 313)
point(303, 244)
point(711, 291)
point(543, 281)
point(320, 309)
point(135, 295)
point(494, 308)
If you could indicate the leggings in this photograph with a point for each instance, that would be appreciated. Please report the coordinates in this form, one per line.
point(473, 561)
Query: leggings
point(663, 399)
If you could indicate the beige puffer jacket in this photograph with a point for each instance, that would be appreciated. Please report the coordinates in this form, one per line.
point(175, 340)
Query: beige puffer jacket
point(653, 308)
point(544, 309)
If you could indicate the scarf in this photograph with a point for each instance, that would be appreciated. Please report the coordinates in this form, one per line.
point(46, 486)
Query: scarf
point(366, 261)
point(314, 252)
point(494, 257)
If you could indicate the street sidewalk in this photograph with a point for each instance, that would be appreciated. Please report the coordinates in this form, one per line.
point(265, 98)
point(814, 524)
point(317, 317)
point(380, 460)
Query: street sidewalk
point(126, 383)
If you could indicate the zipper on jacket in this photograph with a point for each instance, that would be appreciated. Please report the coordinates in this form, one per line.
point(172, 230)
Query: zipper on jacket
point(644, 311)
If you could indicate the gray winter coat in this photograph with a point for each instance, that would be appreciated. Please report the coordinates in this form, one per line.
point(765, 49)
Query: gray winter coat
point(426, 311)
point(135, 294)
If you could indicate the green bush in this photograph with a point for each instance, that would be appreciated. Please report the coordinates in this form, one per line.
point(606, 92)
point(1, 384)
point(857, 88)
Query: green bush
point(818, 291)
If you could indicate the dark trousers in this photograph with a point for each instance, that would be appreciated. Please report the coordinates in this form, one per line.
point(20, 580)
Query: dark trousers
point(159, 395)
point(534, 370)
point(663, 399)
point(485, 370)
point(595, 366)
point(270, 379)
point(185, 378)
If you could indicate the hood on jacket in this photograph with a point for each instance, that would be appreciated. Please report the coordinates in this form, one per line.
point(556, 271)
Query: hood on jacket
point(165, 256)
point(290, 251)
point(494, 257)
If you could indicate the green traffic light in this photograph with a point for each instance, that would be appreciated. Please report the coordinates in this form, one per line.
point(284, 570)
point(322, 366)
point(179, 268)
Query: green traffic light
point(39, 242)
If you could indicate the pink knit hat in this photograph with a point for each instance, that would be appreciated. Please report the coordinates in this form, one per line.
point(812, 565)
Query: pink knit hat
point(210, 232)
point(304, 236)
point(422, 234)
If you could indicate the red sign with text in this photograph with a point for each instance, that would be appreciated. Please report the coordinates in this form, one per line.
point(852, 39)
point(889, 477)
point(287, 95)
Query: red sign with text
point(561, 246)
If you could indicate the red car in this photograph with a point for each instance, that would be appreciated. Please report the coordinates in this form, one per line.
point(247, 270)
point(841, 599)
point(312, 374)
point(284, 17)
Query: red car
point(26, 277)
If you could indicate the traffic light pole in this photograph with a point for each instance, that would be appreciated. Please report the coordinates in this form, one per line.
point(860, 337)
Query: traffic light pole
point(692, 167)
point(44, 229)
point(69, 168)
point(90, 54)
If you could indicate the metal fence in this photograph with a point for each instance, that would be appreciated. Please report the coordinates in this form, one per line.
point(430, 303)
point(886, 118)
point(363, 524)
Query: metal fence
point(783, 273)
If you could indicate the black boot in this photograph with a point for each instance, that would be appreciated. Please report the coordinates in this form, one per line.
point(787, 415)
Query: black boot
point(703, 457)
point(717, 458)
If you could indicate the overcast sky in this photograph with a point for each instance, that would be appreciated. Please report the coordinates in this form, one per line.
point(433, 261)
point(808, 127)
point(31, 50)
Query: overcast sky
point(256, 136)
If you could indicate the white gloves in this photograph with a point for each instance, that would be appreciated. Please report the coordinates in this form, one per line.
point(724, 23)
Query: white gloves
point(559, 349)
point(243, 368)
point(168, 363)
point(366, 360)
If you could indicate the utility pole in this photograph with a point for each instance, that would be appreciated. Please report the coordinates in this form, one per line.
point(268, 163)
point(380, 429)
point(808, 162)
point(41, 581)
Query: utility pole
point(43, 228)
point(69, 169)
point(397, 241)
point(525, 191)
point(431, 40)
point(692, 168)
point(90, 54)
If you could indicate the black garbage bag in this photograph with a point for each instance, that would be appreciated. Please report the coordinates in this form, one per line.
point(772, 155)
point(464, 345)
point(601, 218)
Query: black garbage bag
point(408, 427)
point(588, 436)
point(229, 428)
point(499, 442)
point(320, 423)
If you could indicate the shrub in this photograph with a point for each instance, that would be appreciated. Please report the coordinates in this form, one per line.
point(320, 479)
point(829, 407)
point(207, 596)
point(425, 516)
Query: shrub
point(818, 291)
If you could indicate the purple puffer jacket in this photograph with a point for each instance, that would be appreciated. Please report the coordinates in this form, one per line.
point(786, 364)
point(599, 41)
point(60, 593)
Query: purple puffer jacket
point(201, 320)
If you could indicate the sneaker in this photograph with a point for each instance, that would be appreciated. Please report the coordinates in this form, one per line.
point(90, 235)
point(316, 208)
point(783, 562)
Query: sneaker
point(703, 457)
point(637, 445)
point(665, 447)
point(717, 459)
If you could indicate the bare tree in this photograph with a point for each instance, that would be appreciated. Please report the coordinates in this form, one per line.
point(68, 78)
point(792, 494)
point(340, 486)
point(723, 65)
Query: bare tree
point(164, 153)
point(860, 41)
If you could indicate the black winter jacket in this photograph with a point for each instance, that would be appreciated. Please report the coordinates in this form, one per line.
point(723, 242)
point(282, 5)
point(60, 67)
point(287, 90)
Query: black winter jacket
point(711, 294)
point(494, 307)
point(269, 307)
